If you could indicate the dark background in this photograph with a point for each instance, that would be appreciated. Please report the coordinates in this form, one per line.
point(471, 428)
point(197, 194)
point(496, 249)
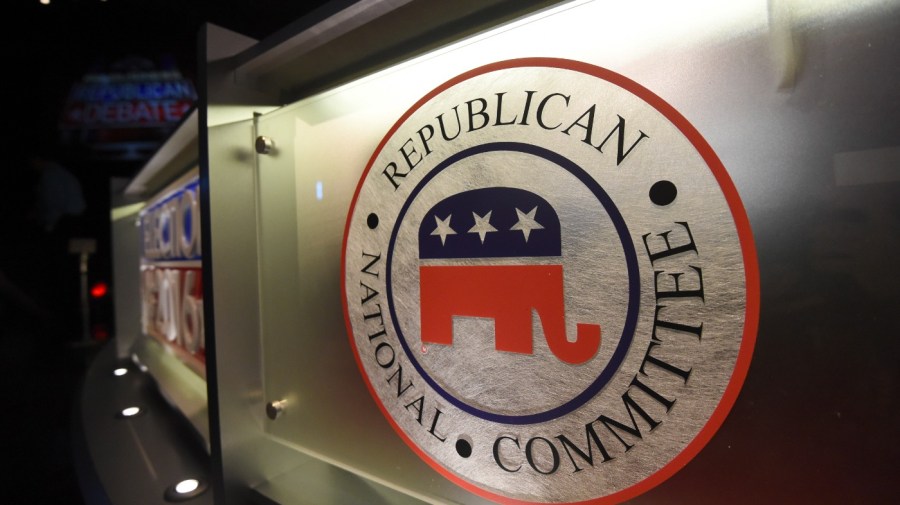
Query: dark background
point(43, 353)
point(57, 44)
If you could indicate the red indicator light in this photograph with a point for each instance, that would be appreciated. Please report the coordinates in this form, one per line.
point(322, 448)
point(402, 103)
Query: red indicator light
point(99, 290)
point(100, 332)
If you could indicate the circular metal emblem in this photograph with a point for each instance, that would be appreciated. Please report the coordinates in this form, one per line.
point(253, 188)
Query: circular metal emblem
point(549, 283)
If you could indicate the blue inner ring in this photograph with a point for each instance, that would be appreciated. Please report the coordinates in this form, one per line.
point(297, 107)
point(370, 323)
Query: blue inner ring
point(630, 261)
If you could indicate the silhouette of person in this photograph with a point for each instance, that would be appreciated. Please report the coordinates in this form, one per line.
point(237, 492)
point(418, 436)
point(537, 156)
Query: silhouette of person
point(59, 192)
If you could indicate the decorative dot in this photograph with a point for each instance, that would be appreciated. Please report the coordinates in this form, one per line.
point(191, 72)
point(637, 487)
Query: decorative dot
point(663, 193)
point(372, 221)
point(464, 448)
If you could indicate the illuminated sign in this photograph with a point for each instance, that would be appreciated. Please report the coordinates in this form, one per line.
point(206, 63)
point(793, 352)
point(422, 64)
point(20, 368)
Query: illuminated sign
point(126, 111)
point(550, 284)
point(171, 275)
point(154, 99)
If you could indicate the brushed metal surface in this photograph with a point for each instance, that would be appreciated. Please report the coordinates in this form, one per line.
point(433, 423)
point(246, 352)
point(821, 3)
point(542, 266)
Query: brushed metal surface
point(822, 392)
point(596, 288)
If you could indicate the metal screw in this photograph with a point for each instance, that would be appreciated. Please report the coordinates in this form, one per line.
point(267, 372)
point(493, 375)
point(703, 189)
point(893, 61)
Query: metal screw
point(264, 145)
point(275, 409)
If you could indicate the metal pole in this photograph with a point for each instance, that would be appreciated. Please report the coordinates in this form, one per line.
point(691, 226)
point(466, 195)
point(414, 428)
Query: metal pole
point(85, 302)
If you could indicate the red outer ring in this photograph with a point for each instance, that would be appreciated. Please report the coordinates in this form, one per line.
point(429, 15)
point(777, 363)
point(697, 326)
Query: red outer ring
point(745, 236)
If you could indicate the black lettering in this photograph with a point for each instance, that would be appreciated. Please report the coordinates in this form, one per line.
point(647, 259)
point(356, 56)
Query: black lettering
point(528, 96)
point(440, 119)
point(384, 345)
point(377, 314)
point(587, 127)
point(590, 436)
point(408, 155)
point(370, 293)
point(665, 402)
point(529, 455)
point(678, 292)
point(620, 128)
point(633, 429)
point(540, 110)
point(424, 139)
point(375, 259)
point(379, 333)
point(399, 375)
point(669, 250)
point(499, 121)
point(394, 172)
point(497, 453)
point(485, 119)
point(658, 323)
point(653, 360)
point(434, 421)
point(418, 404)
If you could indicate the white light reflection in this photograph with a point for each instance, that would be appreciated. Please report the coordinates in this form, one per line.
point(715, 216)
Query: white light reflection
point(118, 372)
point(318, 190)
point(187, 486)
point(131, 411)
point(620, 32)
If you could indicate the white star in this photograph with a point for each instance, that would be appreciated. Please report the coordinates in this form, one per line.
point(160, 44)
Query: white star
point(526, 223)
point(482, 225)
point(443, 228)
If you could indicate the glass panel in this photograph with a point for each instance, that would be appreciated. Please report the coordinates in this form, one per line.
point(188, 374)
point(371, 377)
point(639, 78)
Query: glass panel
point(800, 101)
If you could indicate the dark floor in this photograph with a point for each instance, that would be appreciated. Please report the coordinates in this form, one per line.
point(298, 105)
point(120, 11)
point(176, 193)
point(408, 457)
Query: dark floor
point(40, 376)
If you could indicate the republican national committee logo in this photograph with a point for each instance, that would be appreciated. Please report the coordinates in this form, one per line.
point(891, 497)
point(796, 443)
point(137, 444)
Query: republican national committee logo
point(549, 283)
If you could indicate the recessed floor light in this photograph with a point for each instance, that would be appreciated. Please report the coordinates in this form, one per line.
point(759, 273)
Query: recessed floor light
point(187, 486)
point(185, 490)
point(129, 412)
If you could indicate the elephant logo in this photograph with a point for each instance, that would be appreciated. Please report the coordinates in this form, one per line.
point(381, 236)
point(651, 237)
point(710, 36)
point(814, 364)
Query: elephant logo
point(507, 217)
point(458, 239)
